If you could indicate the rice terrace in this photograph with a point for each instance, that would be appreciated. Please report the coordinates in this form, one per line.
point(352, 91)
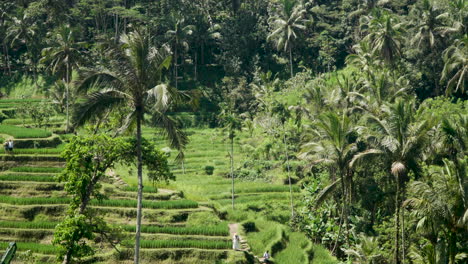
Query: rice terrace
point(234, 132)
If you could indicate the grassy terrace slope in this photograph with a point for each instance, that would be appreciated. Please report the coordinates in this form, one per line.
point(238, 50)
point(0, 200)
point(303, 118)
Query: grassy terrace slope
point(186, 222)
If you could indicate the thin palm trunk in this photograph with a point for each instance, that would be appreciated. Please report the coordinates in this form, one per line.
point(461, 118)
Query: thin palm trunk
point(175, 66)
point(397, 222)
point(232, 169)
point(289, 173)
point(339, 230)
point(140, 186)
point(67, 94)
point(290, 61)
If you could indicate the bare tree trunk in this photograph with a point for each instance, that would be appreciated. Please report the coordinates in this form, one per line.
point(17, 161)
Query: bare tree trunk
point(397, 258)
point(232, 169)
point(288, 170)
point(195, 65)
point(140, 186)
point(175, 67)
point(290, 62)
point(67, 95)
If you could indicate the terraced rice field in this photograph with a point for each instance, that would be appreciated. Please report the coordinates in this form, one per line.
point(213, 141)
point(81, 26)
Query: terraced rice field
point(181, 220)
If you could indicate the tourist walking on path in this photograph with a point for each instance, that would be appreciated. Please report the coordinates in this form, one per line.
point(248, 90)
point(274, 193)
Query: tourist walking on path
point(236, 242)
point(10, 145)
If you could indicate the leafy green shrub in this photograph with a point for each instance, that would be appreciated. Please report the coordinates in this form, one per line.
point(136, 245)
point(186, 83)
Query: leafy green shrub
point(179, 243)
point(209, 170)
point(37, 169)
point(21, 132)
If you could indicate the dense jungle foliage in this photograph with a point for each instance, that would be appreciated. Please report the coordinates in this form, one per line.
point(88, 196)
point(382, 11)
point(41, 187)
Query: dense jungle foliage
point(361, 102)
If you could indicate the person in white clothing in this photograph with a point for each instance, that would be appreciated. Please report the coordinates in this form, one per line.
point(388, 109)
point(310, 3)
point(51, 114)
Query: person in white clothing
point(236, 242)
point(10, 145)
point(266, 257)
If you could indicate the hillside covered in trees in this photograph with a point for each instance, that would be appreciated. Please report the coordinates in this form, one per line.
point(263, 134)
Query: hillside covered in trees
point(326, 131)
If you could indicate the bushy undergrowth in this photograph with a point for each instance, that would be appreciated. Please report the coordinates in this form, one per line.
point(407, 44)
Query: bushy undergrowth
point(21, 132)
point(179, 243)
point(37, 169)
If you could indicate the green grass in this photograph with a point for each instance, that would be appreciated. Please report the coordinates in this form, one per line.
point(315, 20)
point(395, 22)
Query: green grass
point(322, 256)
point(28, 225)
point(179, 243)
point(146, 189)
point(295, 251)
point(176, 204)
point(21, 132)
point(217, 230)
point(31, 178)
point(268, 232)
point(34, 247)
point(37, 151)
point(37, 169)
point(20, 121)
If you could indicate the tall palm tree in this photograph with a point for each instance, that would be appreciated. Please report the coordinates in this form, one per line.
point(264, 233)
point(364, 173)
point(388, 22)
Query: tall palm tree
point(286, 24)
point(429, 25)
point(385, 38)
point(136, 80)
point(179, 36)
point(65, 55)
point(440, 205)
point(456, 66)
point(401, 141)
point(334, 144)
point(231, 124)
point(23, 30)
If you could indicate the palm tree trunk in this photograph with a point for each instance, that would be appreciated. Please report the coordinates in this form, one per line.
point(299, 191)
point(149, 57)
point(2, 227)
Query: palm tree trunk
point(290, 62)
point(232, 169)
point(67, 95)
point(195, 65)
point(140, 185)
point(289, 173)
point(175, 67)
point(397, 222)
point(452, 246)
point(403, 235)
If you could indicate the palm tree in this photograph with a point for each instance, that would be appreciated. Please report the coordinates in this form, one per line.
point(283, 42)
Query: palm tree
point(64, 56)
point(23, 30)
point(439, 207)
point(401, 141)
point(429, 25)
point(231, 124)
point(456, 65)
point(385, 39)
point(286, 23)
point(334, 144)
point(135, 80)
point(178, 36)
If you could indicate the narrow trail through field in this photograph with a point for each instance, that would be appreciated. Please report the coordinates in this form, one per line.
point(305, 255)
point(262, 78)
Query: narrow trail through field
point(234, 229)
